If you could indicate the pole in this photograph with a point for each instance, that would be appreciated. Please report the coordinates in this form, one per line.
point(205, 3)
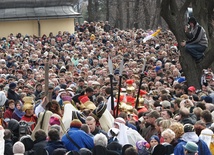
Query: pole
point(111, 83)
point(48, 95)
point(141, 78)
point(120, 81)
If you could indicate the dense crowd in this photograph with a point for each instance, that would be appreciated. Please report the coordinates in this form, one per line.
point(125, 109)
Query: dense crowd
point(71, 112)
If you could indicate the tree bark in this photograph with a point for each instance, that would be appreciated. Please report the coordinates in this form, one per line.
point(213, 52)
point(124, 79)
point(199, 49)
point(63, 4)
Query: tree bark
point(90, 11)
point(107, 10)
point(136, 13)
point(96, 10)
point(174, 17)
point(146, 13)
point(127, 14)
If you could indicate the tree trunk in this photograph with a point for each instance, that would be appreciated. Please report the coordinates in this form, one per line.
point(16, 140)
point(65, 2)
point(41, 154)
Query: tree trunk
point(90, 11)
point(136, 13)
point(107, 10)
point(174, 17)
point(127, 14)
point(146, 13)
point(120, 13)
point(96, 10)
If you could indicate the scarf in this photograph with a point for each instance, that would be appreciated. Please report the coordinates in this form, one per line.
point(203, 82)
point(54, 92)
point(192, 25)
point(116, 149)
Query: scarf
point(19, 113)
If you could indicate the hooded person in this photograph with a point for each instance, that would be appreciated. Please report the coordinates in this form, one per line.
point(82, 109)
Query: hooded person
point(104, 117)
point(13, 126)
point(127, 135)
point(69, 110)
point(28, 143)
point(18, 113)
point(207, 136)
point(57, 120)
point(190, 136)
point(43, 120)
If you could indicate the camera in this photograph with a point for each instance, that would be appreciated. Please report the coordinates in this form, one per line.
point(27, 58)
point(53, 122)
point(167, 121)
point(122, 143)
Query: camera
point(24, 128)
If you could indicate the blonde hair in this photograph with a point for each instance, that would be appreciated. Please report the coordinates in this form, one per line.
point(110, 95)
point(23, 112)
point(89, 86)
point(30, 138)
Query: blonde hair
point(178, 129)
point(165, 124)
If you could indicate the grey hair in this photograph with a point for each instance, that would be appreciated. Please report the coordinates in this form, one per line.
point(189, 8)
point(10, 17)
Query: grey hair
point(100, 139)
point(168, 132)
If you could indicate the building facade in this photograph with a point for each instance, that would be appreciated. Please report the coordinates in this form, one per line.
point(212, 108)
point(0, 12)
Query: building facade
point(37, 17)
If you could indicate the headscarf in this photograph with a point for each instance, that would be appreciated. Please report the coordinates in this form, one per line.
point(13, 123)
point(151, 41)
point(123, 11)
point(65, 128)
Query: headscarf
point(206, 135)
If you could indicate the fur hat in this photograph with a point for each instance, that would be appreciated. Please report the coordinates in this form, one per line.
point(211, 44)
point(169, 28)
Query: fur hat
point(76, 123)
point(18, 148)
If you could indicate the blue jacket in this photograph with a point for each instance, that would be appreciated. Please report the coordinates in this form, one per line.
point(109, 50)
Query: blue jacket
point(202, 148)
point(80, 137)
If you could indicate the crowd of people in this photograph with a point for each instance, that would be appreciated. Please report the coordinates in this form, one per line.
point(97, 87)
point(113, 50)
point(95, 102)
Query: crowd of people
point(72, 111)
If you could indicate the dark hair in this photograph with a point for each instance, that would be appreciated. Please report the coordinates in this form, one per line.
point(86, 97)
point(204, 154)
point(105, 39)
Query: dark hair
point(53, 135)
point(207, 116)
point(40, 135)
point(192, 20)
point(7, 134)
point(89, 90)
point(131, 150)
point(85, 128)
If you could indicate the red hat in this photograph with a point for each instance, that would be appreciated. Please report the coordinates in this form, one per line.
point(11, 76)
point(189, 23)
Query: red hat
point(192, 89)
point(87, 103)
point(129, 81)
point(76, 123)
point(143, 92)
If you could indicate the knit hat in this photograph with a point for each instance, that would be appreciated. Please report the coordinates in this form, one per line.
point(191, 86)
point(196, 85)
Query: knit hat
point(18, 148)
point(191, 147)
point(154, 137)
point(12, 85)
point(54, 120)
point(76, 123)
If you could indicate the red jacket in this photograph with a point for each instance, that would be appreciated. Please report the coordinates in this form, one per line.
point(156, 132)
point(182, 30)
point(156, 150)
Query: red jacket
point(8, 113)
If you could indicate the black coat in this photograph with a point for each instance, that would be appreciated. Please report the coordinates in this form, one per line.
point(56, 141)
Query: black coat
point(100, 150)
point(12, 95)
point(8, 148)
point(39, 146)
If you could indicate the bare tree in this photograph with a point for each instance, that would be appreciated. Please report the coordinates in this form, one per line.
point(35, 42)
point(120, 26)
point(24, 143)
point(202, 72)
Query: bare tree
point(174, 16)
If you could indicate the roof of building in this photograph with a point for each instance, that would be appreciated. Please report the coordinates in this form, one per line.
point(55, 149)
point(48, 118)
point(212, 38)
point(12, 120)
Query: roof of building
point(38, 9)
